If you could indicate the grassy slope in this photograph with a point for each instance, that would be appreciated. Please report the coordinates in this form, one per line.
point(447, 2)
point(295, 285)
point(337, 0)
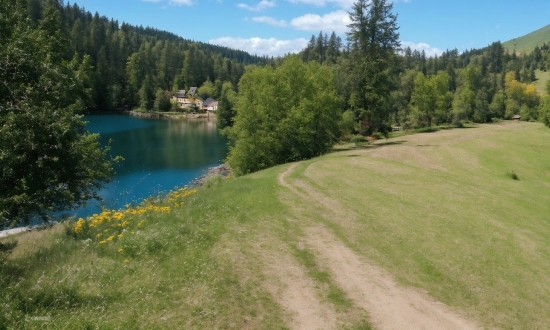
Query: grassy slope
point(437, 210)
point(527, 43)
point(542, 78)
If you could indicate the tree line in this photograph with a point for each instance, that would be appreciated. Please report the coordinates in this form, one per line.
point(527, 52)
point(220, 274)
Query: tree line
point(476, 85)
point(377, 84)
point(128, 65)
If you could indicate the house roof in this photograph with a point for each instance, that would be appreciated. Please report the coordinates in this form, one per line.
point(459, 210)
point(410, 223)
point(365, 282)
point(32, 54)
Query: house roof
point(517, 117)
point(180, 93)
point(192, 90)
point(208, 101)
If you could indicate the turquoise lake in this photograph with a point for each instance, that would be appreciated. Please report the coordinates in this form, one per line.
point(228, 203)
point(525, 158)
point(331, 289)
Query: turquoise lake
point(159, 155)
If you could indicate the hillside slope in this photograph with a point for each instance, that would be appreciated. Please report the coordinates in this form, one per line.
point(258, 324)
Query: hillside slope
point(425, 231)
point(528, 42)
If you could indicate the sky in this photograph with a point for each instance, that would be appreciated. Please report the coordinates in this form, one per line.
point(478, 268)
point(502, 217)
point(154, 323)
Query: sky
point(278, 27)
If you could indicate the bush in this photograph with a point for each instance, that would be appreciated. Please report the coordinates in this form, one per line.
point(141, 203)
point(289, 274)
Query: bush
point(513, 175)
point(427, 130)
point(358, 139)
point(378, 135)
point(496, 120)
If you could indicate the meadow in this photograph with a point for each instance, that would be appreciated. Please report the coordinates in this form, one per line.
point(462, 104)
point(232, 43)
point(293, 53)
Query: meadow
point(457, 219)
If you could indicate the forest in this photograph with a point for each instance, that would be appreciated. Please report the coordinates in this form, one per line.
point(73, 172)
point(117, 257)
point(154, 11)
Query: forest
point(136, 67)
point(127, 66)
point(479, 85)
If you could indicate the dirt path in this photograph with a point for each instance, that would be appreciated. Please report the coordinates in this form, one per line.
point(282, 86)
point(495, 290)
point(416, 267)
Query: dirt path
point(389, 305)
point(295, 291)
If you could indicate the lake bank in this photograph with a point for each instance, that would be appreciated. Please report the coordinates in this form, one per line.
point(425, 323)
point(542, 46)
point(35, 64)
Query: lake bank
point(158, 115)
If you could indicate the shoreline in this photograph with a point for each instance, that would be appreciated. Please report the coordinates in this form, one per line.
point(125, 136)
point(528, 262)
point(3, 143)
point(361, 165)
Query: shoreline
point(157, 115)
point(222, 170)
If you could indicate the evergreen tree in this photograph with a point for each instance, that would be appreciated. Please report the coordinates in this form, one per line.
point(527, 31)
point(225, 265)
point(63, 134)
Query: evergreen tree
point(226, 113)
point(374, 42)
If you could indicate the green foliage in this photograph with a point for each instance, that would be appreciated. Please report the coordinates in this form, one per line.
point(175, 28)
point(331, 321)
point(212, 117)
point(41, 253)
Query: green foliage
point(357, 139)
point(207, 89)
point(544, 111)
point(431, 99)
point(49, 161)
point(348, 123)
point(162, 101)
point(226, 113)
point(284, 114)
point(374, 41)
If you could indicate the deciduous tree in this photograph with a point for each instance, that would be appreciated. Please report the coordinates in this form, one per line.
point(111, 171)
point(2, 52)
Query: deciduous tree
point(49, 162)
point(284, 114)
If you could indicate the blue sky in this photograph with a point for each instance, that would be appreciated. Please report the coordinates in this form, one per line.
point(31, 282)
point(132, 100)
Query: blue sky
point(276, 27)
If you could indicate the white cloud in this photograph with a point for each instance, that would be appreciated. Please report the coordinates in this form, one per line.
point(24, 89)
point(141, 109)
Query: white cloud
point(180, 2)
point(262, 5)
point(270, 21)
point(346, 4)
point(259, 46)
point(429, 50)
point(336, 21)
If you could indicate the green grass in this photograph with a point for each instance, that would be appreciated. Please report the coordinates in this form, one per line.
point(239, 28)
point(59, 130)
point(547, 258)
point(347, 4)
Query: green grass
point(528, 42)
point(540, 83)
point(439, 211)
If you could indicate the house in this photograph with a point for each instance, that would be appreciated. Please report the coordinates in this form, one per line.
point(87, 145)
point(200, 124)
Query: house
point(187, 100)
point(210, 104)
point(516, 118)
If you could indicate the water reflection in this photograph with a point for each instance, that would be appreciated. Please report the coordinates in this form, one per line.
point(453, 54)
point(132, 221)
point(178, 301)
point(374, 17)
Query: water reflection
point(159, 155)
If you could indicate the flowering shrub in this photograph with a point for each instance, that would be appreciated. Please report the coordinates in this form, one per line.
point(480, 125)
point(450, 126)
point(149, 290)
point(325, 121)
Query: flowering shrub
point(112, 226)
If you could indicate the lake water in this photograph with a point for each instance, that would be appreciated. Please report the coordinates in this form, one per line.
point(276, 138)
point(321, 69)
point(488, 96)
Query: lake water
point(159, 155)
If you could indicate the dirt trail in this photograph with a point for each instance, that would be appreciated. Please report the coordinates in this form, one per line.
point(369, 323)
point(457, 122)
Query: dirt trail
point(295, 291)
point(389, 305)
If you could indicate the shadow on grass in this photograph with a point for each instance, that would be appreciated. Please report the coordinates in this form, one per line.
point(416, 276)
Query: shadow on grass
point(366, 147)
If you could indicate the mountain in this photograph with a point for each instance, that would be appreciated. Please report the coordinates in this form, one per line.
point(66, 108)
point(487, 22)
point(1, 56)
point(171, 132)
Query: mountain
point(528, 42)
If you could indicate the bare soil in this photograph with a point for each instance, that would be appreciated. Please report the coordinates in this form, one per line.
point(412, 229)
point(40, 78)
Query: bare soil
point(389, 305)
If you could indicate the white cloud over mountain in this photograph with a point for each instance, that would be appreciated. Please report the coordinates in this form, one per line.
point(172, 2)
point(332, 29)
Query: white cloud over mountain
point(260, 46)
point(429, 50)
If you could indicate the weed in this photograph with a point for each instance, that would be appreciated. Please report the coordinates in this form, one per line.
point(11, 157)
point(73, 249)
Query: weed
point(513, 175)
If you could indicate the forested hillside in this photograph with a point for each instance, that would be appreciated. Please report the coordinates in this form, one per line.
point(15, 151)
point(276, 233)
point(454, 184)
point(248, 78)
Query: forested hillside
point(127, 65)
point(476, 85)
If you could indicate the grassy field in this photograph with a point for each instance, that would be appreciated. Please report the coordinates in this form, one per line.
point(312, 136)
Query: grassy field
point(542, 78)
point(442, 213)
point(528, 42)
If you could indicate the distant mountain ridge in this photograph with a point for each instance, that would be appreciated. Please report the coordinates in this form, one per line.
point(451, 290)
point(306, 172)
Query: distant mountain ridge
point(528, 42)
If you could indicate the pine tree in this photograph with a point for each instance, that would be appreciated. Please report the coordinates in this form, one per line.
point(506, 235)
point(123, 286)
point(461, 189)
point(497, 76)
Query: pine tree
point(374, 42)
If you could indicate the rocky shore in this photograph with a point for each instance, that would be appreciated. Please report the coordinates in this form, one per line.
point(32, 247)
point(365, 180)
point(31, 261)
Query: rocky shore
point(222, 170)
